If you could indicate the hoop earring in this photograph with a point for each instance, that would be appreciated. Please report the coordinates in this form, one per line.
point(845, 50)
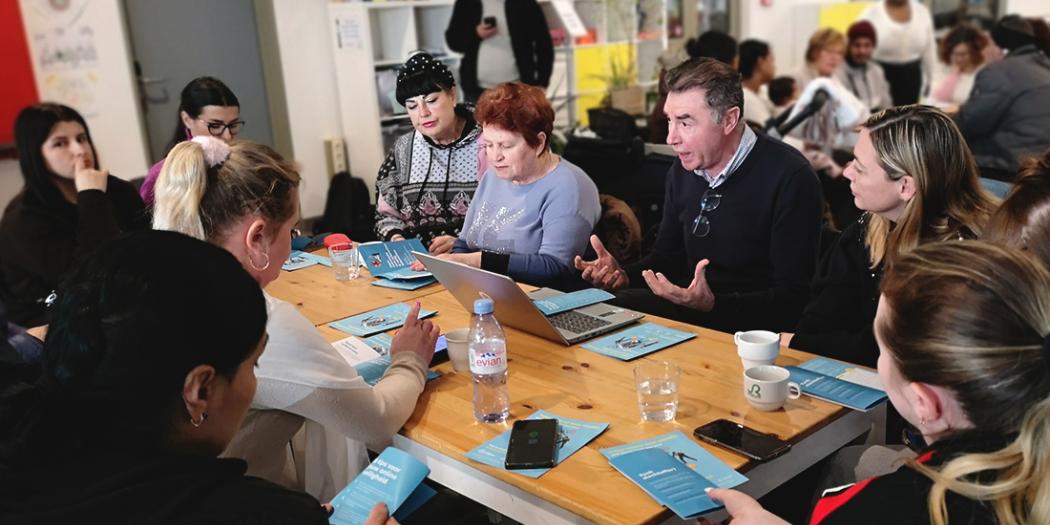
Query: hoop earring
point(257, 268)
point(197, 424)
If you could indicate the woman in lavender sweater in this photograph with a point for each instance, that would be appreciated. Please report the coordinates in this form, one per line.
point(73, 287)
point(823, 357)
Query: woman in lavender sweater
point(534, 211)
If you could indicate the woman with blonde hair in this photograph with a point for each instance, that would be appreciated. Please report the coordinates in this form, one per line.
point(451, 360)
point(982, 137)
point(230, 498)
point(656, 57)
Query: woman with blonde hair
point(916, 180)
point(832, 126)
point(964, 334)
point(244, 197)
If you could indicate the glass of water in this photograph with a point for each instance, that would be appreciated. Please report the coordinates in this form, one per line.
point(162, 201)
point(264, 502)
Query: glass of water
point(657, 386)
point(344, 261)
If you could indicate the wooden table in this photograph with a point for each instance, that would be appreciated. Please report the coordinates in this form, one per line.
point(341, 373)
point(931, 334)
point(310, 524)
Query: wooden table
point(322, 299)
point(577, 383)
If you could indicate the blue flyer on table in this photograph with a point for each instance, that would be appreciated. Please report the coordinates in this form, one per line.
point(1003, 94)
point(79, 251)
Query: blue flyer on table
point(835, 390)
point(378, 320)
point(684, 451)
point(573, 434)
point(394, 478)
point(371, 357)
point(298, 260)
point(668, 481)
point(404, 284)
point(638, 340)
point(391, 260)
point(571, 301)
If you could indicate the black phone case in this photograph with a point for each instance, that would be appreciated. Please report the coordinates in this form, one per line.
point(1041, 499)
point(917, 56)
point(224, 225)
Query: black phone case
point(517, 441)
point(776, 453)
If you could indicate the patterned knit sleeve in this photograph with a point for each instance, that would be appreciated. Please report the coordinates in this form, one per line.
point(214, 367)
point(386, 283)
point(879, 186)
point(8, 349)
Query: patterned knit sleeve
point(389, 220)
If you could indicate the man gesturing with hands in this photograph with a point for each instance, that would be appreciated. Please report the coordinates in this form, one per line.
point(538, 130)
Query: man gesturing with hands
point(740, 231)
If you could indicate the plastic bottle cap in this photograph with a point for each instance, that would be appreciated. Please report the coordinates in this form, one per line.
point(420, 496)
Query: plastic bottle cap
point(483, 306)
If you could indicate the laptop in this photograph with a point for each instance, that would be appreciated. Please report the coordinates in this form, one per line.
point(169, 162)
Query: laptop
point(515, 308)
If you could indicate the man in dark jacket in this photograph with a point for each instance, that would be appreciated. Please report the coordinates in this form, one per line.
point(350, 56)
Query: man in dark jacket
point(501, 41)
point(741, 217)
point(1006, 117)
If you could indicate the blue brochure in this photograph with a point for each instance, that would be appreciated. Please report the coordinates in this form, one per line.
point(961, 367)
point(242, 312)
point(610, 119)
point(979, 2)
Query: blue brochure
point(845, 371)
point(391, 260)
point(394, 478)
point(637, 341)
point(371, 357)
point(668, 489)
point(573, 434)
point(378, 320)
point(835, 390)
point(298, 260)
point(571, 301)
point(405, 284)
point(668, 481)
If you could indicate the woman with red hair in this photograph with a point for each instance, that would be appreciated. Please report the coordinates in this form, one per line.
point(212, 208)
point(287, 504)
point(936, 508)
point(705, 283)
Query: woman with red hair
point(533, 211)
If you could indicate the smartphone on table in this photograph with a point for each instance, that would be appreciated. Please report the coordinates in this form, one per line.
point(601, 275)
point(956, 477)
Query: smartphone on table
point(489, 21)
point(533, 443)
point(742, 440)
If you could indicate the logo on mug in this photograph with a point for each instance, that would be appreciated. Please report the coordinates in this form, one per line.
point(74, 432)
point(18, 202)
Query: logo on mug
point(755, 391)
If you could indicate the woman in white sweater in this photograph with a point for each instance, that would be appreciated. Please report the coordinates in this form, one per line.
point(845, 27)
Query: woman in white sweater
point(907, 47)
point(244, 197)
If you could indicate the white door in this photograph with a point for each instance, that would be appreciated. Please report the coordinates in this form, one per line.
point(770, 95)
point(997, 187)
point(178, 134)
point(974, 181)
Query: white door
point(175, 42)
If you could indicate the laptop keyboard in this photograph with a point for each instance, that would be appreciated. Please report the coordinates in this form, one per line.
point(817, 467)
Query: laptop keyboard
point(577, 323)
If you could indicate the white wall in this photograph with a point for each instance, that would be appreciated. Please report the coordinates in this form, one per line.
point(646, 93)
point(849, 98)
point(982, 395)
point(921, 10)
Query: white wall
point(1033, 8)
point(305, 54)
point(81, 57)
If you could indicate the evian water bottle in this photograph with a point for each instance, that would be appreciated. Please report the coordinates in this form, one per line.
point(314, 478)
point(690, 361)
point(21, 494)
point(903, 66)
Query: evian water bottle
point(488, 365)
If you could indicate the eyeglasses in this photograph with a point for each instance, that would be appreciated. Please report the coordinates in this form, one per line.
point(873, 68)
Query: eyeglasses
point(701, 224)
point(218, 128)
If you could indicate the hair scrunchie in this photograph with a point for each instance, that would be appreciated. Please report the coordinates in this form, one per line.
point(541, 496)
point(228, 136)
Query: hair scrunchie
point(216, 151)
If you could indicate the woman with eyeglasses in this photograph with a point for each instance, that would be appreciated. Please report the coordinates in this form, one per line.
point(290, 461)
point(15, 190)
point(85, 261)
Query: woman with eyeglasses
point(916, 179)
point(244, 197)
point(206, 108)
point(67, 207)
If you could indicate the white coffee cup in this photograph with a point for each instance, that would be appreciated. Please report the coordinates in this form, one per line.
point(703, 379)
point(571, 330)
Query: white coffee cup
point(757, 347)
point(459, 349)
point(767, 387)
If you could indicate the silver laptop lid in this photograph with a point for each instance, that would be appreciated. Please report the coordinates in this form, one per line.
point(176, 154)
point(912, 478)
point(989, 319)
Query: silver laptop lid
point(513, 306)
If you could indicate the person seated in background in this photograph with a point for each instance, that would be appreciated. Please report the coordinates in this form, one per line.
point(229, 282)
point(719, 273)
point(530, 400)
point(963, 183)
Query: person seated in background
point(962, 51)
point(129, 414)
point(783, 92)
point(917, 183)
point(533, 211)
point(862, 75)
point(207, 108)
point(428, 179)
point(244, 197)
point(832, 126)
point(964, 339)
point(1004, 120)
point(710, 44)
point(738, 240)
point(1023, 219)
point(67, 207)
point(757, 67)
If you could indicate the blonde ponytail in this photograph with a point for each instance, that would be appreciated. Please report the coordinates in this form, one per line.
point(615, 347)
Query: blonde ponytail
point(179, 190)
point(974, 318)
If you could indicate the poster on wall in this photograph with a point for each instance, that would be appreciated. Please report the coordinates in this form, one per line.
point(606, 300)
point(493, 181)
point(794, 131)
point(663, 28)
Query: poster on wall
point(65, 52)
point(674, 19)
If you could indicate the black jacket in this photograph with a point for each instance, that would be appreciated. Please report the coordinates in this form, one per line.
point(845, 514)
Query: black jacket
point(763, 241)
point(149, 488)
point(845, 294)
point(40, 239)
point(529, 36)
point(901, 497)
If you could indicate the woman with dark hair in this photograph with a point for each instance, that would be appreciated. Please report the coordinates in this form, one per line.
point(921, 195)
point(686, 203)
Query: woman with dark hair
point(962, 50)
point(206, 108)
point(244, 197)
point(67, 207)
point(125, 423)
point(964, 355)
point(534, 210)
point(1023, 219)
point(428, 179)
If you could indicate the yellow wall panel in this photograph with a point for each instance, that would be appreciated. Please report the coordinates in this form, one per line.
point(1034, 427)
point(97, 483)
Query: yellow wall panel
point(593, 64)
point(840, 16)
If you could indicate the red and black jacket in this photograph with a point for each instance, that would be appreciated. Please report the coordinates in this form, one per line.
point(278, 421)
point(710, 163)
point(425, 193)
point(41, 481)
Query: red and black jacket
point(901, 497)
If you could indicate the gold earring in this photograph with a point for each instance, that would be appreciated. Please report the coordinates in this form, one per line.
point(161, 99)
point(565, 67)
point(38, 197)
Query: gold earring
point(262, 267)
point(197, 424)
